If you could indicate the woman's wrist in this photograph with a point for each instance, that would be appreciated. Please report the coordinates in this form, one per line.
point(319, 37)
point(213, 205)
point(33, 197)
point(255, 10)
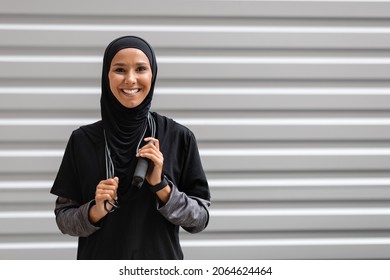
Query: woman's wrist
point(162, 190)
point(159, 186)
point(96, 214)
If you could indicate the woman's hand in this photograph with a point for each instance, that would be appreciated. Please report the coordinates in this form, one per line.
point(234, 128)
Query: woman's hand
point(152, 152)
point(105, 190)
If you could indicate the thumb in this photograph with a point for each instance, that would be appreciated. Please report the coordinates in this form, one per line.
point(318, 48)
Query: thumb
point(116, 179)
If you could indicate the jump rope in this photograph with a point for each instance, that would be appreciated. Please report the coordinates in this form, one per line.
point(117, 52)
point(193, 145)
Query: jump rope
point(142, 163)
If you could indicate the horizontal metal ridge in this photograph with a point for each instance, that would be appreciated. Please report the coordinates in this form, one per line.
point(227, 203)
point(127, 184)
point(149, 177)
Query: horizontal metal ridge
point(286, 242)
point(196, 28)
point(272, 60)
point(233, 183)
point(238, 212)
point(234, 152)
point(26, 214)
point(51, 58)
point(300, 212)
point(203, 59)
point(219, 243)
point(31, 153)
point(17, 185)
point(209, 121)
point(293, 182)
point(283, 121)
point(200, 9)
point(38, 245)
point(208, 90)
point(50, 90)
point(296, 152)
point(271, 91)
point(45, 122)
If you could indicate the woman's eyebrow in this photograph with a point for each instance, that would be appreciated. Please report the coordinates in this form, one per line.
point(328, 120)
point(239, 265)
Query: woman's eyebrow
point(119, 64)
point(124, 64)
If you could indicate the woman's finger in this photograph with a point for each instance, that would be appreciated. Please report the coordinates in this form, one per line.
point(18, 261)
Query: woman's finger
point(153, 141)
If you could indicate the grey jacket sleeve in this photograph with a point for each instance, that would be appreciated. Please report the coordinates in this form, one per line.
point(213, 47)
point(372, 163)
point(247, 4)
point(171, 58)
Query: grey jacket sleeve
point(72, 218)
point(191, 213)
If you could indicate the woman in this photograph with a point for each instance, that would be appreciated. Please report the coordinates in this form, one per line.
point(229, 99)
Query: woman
point(98, 196)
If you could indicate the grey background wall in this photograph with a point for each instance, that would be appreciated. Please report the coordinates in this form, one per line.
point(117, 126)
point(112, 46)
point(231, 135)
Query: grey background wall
point(289, 101)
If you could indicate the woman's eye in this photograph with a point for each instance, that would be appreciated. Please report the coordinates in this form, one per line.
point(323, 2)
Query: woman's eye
point(119, 70)
point(142, 69)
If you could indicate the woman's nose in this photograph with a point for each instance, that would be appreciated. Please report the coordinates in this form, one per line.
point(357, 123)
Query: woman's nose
point(130, 78)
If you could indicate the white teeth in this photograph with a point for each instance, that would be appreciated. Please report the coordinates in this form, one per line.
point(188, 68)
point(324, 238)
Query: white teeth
point(132, 91)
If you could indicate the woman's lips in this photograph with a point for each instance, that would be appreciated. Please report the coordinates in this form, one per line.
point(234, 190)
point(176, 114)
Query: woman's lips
point(131, 91)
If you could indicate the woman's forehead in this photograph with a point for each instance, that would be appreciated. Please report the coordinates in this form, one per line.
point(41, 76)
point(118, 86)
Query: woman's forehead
point(130, 55)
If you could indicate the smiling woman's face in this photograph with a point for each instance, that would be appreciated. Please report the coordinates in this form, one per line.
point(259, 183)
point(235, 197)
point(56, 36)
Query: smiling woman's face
point(130, 77)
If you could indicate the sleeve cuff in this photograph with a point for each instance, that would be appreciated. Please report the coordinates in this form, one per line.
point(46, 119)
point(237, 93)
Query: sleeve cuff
point(170, 204)
point(85, 210)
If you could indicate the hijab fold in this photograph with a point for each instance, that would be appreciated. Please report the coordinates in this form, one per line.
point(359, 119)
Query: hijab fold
point(124, 126)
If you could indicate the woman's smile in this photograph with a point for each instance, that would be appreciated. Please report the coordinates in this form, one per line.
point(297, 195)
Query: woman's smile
point(131, 91)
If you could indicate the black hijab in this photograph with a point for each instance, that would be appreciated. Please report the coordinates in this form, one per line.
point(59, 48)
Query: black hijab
point(124, 126)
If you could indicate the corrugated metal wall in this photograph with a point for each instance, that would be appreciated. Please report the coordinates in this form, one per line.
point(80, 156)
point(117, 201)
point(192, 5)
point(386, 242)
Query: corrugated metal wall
point(289, 101)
